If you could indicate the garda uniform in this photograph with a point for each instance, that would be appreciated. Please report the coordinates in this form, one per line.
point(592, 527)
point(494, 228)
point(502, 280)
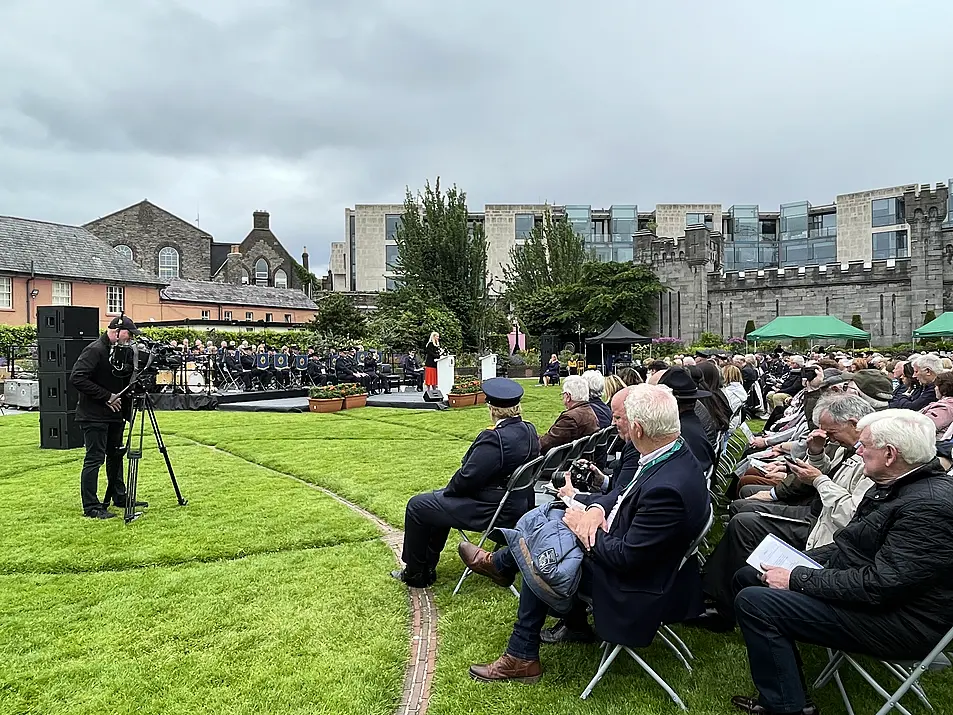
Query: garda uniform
point(475, 490)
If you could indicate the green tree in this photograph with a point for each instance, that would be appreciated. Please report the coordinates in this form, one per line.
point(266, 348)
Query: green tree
point(441, 256)
point(710, 340)
point(338, 320)
point(552, 255)
point(404, 319)
point(749, 327)
point(859, 324)
point(929, 317)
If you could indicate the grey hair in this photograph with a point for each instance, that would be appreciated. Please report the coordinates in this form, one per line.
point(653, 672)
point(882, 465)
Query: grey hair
point(912, 434)
point(654, 408)
point(597, 383)
point(577, 387)
point(930, 362)
point(842, 408)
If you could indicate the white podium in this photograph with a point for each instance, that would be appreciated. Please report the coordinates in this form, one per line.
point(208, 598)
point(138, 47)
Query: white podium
point(487, 367)
point(445, 374)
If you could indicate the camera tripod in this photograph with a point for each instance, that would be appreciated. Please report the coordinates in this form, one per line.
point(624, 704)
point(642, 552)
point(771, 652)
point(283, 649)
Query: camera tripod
point(143, 407)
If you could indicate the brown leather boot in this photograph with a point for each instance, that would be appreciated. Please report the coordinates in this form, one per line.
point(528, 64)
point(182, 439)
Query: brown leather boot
point(506, 667)
point(481, 561)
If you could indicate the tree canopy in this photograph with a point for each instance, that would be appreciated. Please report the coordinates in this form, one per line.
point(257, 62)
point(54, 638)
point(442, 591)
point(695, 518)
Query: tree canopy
point(552, 255)
point(339, 320)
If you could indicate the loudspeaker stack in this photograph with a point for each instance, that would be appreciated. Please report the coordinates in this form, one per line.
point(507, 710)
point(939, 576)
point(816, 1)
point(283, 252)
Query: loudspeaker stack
point(62, 332)
point(548, 344)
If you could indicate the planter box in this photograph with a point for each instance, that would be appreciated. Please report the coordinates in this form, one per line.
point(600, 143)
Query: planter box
point(461, 400)
point(480, 398)
point(324, 406)
point(354, 401)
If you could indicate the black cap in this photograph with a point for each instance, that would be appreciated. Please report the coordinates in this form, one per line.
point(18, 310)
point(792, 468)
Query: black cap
point(502, 392)
point(123, 322)
point(680, 381)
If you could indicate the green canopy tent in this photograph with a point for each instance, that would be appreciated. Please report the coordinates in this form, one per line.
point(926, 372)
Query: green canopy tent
point(808, 327)
point(939, 327)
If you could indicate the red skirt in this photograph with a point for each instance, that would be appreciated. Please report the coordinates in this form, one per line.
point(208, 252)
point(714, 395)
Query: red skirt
point(430, 376)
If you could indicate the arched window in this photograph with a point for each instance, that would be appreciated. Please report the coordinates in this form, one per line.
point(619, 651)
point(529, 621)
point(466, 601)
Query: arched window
point(261, 272)
point(245, 277)
point(168, 263)
point(281, 279)
point(124, 251)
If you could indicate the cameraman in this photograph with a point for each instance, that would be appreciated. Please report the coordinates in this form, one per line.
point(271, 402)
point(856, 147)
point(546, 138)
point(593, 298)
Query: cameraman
point(100, 414)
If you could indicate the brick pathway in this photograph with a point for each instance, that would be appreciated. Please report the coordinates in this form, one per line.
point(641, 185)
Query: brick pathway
point(418, 675)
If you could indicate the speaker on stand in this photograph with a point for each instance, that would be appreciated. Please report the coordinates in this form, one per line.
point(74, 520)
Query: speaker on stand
point(548, 344)
point(63, 332)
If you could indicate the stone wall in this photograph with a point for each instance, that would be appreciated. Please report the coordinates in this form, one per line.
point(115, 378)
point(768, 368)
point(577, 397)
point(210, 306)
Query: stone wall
point(147, 229)
point(499, 226)
point(854, 228)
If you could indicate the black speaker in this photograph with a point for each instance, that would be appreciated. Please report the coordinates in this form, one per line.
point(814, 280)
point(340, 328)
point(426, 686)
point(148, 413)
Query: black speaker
point(548, 344)
point(58, 430)
point(67, 321)
point(56, 393)
point(59, 354)
point(433, 395)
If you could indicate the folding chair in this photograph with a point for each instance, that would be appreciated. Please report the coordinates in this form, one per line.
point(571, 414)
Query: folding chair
point(664, 632)
point(552, 460)
point(389, 379)
point(523, 477)
point(907, 672)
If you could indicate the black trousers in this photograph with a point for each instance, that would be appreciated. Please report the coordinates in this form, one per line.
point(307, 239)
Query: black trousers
point(104, 443)
point(746, 529)
point(772, 621)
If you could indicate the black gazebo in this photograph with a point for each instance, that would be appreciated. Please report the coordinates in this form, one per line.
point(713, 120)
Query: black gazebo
point(617, 334)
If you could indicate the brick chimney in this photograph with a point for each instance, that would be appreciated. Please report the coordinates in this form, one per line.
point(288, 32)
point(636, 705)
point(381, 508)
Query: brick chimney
point(304, 259)
point(260, 220)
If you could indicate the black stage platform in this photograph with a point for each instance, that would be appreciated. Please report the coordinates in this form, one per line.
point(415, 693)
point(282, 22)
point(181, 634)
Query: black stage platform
point(269, 402)
point(203, 401)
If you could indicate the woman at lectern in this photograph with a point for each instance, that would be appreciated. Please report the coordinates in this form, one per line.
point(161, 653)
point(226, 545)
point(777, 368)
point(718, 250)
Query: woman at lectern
point(431, 353)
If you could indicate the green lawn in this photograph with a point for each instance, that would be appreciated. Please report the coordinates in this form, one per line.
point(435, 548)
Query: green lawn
point(264, 595)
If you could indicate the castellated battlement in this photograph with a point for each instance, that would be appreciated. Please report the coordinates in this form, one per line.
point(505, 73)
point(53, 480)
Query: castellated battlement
point(697, 247)
point(925, 201)
point(855, 272)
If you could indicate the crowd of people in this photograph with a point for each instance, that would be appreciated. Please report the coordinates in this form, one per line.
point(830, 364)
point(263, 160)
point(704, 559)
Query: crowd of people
point(852, 468)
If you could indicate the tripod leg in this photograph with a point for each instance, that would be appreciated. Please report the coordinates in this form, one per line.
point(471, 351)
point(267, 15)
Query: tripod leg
point(133, 455)
point(164, 450)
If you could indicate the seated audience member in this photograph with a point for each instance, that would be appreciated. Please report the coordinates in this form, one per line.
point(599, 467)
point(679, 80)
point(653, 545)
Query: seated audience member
point(551, 373)
point(734, 393)
point(413, 369)
point(791, 384)
point(633, 540)
point(576, 420)
point(613, 385)
point(886, 586)
point(597, 384)
point(347, 369)
point(654, 367)
point(623, 468)
point(749, 371)
point(687, 394)
point(475, 490)
point(716, 404)
point(856, 365)
point(925, 371)
point(835, 487)
point(941, 411)
point(630, 376)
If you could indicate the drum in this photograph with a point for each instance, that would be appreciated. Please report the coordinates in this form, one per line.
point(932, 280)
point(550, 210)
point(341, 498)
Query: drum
point(164, 377)
point(195, 382)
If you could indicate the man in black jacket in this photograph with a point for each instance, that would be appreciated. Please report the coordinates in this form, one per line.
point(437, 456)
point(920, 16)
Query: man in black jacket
point(886, 586)
point(100, 414)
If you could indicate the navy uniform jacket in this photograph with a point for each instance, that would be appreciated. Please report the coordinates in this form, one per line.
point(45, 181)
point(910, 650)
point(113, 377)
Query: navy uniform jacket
point(636, 581)
point(344, 369)
point(693, 432)
point(601, 411)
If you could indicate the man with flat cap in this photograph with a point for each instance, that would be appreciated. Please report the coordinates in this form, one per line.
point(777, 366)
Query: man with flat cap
point(101, 414)
point(475, 490)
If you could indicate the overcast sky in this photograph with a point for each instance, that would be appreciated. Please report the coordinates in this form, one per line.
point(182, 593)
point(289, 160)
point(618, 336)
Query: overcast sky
point(305, 107)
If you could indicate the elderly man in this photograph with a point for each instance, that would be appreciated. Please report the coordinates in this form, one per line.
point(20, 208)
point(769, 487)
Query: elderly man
point(836, 486)
point(634, 540)
point(475, 490)
point(791, 384)
point(925, 370)
point(597, 385)
point(886, 586)
point(576, 420)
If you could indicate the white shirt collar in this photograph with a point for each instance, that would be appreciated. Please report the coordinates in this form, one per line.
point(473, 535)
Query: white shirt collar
point(645, 458)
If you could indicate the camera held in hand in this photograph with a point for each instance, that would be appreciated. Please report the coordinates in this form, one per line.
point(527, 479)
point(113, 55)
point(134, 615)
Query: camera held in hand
point(581, 476)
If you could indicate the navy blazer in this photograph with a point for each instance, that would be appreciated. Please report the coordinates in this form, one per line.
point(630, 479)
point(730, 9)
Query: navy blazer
point(695, 436)
point(601, 410)
point(636, 581)
point(492, 458)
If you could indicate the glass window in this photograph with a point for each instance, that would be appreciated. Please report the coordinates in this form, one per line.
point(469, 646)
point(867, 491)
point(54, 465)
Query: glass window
point(268, 317)
point(62, 293)
point(794, 221)
point(115, 299)
point(886, 212)
point(390, 284)
point(228, 315)
point(796, 253)
point(524, 226)
point(390, 257)
point(124, 251)
point(769, 227)
point(249, 315)
point(890, 244)
point(287, 317)
point(245, 277)
point(623, 222)
point(6, 292)
point(206, 314)
point(168, 263)
point(391, 222)
point(622, 254)
point(825, 251)
point(580, 218)
point(281, 279)
point(697, 219)
point(261, 272)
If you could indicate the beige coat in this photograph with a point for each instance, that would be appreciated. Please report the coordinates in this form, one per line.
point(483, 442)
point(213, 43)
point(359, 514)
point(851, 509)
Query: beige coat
point(840, 493)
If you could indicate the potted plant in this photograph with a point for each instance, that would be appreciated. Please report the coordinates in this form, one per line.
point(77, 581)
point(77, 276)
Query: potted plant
point(354, 395)
point(463, 393)
point(325, 399)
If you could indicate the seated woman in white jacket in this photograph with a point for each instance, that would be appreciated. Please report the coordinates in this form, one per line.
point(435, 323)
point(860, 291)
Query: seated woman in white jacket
point(734, 392)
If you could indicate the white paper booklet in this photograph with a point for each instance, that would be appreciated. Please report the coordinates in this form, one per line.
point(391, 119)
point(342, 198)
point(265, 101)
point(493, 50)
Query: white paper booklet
point(774, 552)
point(747, 431)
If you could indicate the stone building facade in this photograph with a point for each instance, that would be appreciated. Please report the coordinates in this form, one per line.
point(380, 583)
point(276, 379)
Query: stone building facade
point(891, 296)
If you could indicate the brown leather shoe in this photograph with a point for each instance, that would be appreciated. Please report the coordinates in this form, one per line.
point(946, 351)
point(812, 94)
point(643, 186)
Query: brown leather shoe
point(751, 706)
point(506, 667)
point(481, 561)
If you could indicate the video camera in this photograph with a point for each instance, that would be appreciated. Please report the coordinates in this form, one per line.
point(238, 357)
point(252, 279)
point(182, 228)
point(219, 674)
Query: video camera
point(142, 357)
point(580, 476)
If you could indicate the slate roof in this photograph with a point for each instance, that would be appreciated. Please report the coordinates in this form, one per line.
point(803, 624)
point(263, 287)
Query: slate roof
point(61, 251)
point(230, 294)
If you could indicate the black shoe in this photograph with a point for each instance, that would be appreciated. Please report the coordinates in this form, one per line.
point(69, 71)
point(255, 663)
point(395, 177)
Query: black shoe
point(711, 620)
point(98, 513)
point(415, 580)
point(560, 633)
point(120, 503)
point(751, 706)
